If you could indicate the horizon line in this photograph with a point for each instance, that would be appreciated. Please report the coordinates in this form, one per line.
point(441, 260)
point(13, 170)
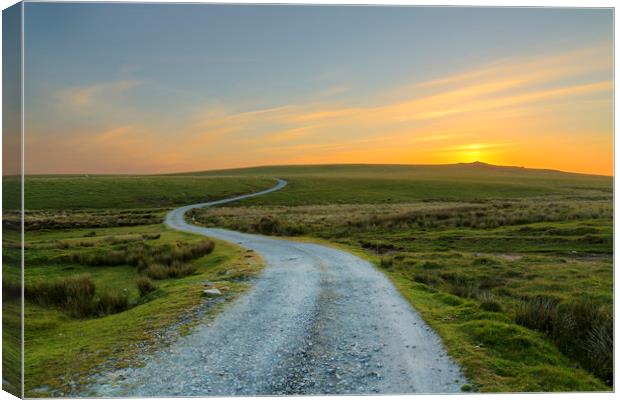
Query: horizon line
point(480, 163)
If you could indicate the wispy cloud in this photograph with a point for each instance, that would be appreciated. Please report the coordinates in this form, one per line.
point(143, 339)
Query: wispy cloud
point(493, 99)
point(551, 67)
point(83, 96)
point(498, 108)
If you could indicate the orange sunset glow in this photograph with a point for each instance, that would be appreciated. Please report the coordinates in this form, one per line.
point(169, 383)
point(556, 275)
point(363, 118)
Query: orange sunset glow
point(542, 106)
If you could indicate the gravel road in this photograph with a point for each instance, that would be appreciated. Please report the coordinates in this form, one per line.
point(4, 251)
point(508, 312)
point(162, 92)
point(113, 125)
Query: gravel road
point(317, 321)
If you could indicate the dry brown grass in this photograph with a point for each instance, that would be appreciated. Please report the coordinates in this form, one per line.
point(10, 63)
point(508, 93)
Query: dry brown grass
point(48, 219)
point(298, 220)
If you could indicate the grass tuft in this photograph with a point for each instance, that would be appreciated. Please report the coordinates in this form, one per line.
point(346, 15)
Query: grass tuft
point(111, 302)
point(142, 255)
point(580, 328)
point(488, 302)
point(145, 285)
point(75, 295)
point(176, 270)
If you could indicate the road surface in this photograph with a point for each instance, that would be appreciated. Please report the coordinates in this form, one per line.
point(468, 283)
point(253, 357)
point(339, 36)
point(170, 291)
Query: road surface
point(318, 320)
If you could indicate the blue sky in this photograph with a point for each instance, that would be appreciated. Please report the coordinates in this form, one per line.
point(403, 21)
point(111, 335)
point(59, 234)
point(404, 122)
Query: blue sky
point(120, 83)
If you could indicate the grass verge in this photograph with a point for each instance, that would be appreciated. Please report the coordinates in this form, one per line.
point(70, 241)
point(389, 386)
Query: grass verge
point(63, 352)
point(495, 353)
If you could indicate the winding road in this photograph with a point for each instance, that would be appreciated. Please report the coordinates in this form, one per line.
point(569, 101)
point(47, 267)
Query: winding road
point(318, 320)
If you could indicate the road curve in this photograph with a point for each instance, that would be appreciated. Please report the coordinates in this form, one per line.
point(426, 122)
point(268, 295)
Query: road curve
point(317, 321)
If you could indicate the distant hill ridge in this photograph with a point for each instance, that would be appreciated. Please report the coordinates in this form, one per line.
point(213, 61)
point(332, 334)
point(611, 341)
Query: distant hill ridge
point(471, 168)
point(356, 167)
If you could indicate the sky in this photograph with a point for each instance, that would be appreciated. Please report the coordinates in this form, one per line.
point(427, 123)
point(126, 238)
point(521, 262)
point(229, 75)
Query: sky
point(139, 88)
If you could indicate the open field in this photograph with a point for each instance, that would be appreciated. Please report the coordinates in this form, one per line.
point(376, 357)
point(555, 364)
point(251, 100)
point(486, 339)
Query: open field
point(78, 192)
point(482, 270)
point(358, 184)
point(483, 253)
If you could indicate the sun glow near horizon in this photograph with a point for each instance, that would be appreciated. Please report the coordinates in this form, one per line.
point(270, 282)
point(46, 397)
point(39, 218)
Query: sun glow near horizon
point(473, 152)
point(538, 106)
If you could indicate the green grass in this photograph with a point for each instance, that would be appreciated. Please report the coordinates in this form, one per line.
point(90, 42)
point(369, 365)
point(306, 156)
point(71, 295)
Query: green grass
point(11, 313)
point(104, 192)
point(333, 184)
point(496, 354)
point(62, 352)
point(11, 346)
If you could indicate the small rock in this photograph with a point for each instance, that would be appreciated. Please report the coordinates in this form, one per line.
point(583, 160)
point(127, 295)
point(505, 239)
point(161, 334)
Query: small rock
point(212, 292)
point(41, 389)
